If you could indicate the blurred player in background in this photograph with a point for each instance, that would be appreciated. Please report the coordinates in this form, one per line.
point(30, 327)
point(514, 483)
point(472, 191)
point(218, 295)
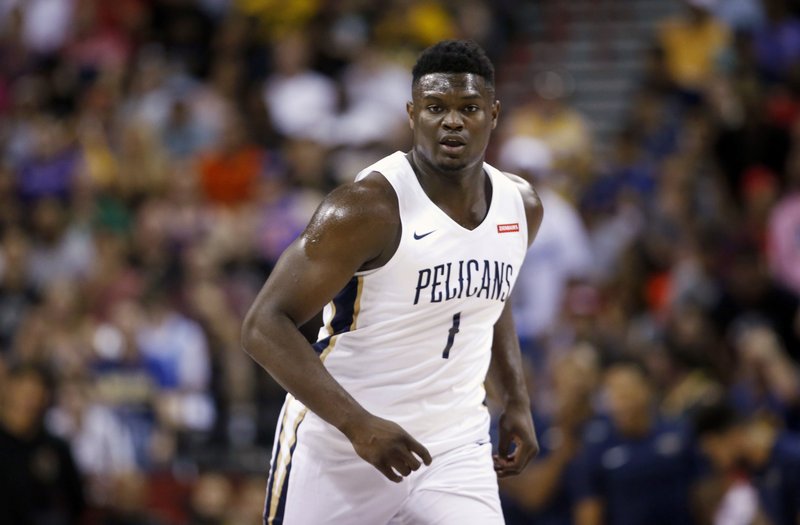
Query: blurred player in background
point(757, 467)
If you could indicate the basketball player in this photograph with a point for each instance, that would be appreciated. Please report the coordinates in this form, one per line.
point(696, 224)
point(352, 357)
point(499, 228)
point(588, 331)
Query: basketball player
point(414, 263)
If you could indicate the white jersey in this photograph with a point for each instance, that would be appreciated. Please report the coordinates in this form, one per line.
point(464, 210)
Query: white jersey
point(411, 340)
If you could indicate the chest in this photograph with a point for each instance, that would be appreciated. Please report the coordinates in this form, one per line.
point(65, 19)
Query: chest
point(661, 458)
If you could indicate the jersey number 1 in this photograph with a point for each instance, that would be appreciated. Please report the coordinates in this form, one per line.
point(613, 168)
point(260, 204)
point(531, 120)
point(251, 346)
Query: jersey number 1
point(451, 335)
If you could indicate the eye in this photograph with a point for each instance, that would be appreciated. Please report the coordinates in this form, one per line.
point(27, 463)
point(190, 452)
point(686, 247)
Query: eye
point(433, 108)
point(472, 108)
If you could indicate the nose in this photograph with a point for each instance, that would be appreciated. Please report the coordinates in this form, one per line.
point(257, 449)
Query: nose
point(452, 120)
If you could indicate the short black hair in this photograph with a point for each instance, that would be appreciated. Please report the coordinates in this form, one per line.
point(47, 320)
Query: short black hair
point(713, 419)
point(20, 370)
point(454, 56)
point(630, 362)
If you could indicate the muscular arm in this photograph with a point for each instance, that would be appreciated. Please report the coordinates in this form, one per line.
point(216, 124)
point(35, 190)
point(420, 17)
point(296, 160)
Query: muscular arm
point(535, 485)
point(589, 512)
point(355, 227)
point(506, 371)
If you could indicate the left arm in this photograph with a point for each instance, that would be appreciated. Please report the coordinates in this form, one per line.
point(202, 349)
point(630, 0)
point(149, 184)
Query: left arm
point(506, 371)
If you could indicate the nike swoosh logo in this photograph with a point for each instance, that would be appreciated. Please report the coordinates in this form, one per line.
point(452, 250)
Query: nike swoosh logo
point(418, 237)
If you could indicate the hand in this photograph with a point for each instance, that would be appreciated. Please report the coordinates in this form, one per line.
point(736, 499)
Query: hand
point(516, 426)
point(387, 447)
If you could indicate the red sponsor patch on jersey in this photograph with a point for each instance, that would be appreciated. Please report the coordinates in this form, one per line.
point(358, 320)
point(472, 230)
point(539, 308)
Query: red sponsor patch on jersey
point(508, 228)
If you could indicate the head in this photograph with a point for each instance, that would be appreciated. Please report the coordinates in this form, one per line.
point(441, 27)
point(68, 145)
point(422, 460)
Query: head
point(629, 393)
point(574, 380)
point(527, 157)
point(25, 396)
point(721, 435)
point(453, 109)
point(700, 10)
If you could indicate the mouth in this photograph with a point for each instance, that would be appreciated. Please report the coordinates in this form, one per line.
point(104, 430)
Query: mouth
point(453, 143)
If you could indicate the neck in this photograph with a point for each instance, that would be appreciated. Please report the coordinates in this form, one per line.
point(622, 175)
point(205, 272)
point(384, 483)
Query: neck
point(462, 177)
point(464, 194)
point(760, 439)
point(638, 426)
point(18, 423)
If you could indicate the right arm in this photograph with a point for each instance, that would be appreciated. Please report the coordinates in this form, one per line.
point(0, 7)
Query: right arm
point(586, 488)
point(535, 486)
point(356, 227)
point(589, 512)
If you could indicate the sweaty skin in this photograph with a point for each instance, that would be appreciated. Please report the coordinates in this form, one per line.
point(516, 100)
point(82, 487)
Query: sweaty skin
point(357, 227)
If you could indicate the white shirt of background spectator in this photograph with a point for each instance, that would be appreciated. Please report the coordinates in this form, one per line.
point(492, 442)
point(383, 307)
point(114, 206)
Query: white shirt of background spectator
point(615, 457)
point(561, 252)
point(596, 431)
point(46, 23)
point(669, 444)
point(302, 106)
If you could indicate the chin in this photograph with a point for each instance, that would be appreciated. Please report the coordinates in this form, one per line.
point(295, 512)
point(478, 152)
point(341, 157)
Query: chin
point(447, 163)
point(455, 165)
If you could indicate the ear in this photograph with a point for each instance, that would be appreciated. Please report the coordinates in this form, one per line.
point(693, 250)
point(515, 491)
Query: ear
point(410, 112)
point(495, 113)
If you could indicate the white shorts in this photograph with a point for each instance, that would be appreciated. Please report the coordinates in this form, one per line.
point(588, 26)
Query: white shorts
point(307, 488)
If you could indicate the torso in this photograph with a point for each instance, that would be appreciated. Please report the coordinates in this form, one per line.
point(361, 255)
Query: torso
point(411, 340)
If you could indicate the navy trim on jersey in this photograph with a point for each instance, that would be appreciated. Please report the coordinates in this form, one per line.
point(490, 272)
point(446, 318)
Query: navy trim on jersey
point(280, 510)
point(273, 467)
point(278, 519)
point(345, 304)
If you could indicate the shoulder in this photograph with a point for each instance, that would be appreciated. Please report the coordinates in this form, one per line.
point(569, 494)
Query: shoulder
point(531, 199)
point(787, 447)
point(534, 211)
point(371, 198)
point(362, 216)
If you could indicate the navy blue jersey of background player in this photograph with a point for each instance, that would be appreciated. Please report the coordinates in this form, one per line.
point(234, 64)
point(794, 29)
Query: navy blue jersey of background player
point(778, 482)
point(639, 481)
point(558, 509)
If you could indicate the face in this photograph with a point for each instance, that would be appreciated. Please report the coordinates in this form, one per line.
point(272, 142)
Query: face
point(723, 449)
point(27, 394)
point(452, 116)
point(628, 395)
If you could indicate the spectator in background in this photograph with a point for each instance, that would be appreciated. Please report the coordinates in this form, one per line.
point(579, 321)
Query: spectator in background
point(39, 482)
point(56, 334)
point(638, 468)
point(684, 369)
point(547, 116)
point(784, 238)
point(740, 15)
point(182, 136)
point(62, 249)
point(777, 43)
point(122, 381)
point(143, 163)
point(229, 173)
point(210, 500)
point(51, 167)
point(693, 45)
point(541, 493)
point(175, 352)
point(768, 456)
point(767, 381)
point(560, 255)
point(129, 504)
point(248, 504)
point(301, 102)
point(101, 444)
point(419, 23)
point(748, 292)
point(376, 88)
point(46, 24)
point(17, 296)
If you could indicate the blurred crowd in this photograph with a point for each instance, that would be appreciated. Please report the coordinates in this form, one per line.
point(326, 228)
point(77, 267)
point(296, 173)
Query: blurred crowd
point(156, 157)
